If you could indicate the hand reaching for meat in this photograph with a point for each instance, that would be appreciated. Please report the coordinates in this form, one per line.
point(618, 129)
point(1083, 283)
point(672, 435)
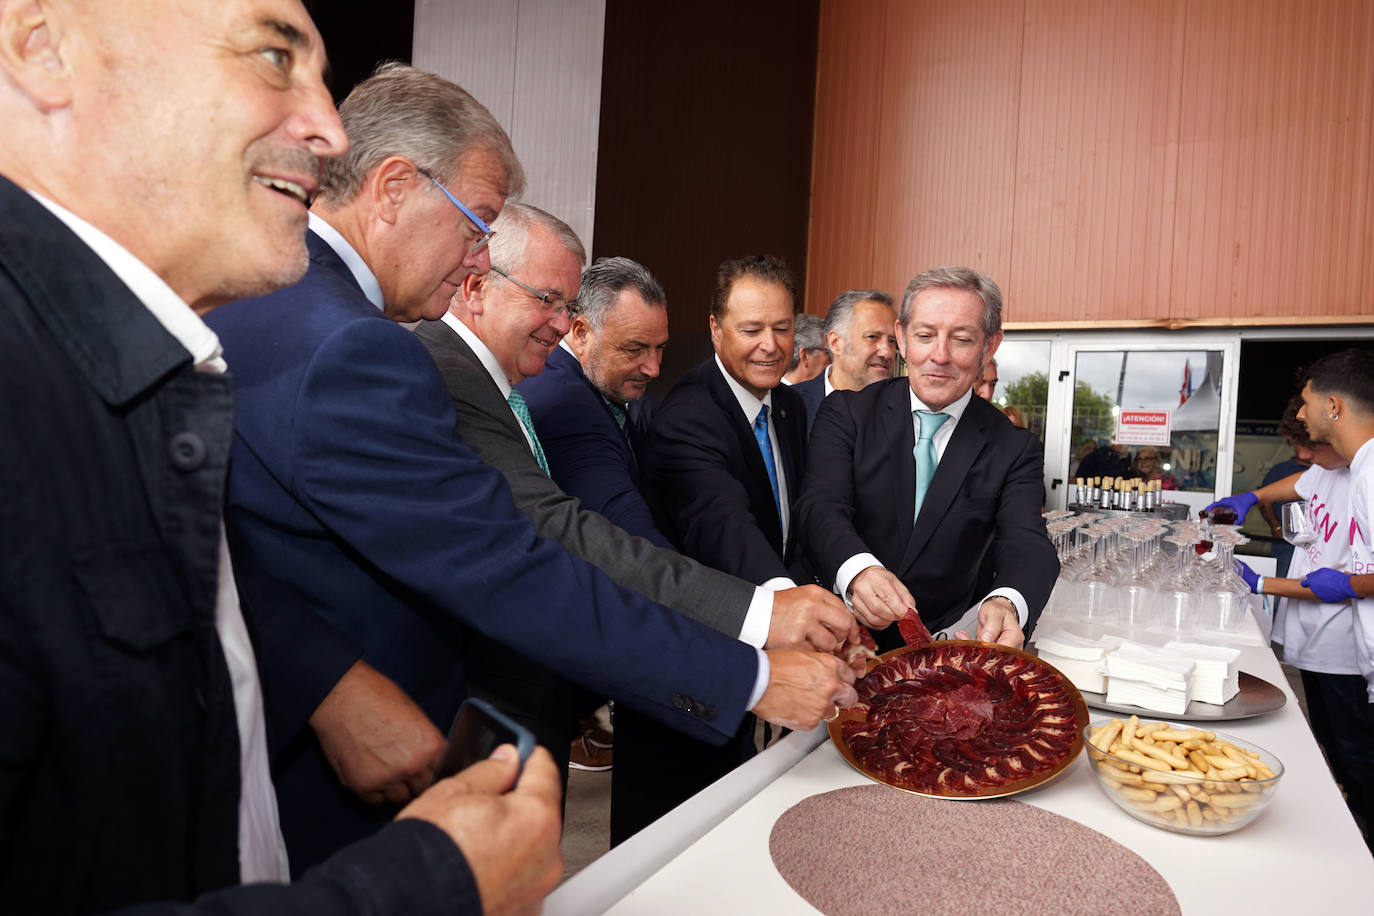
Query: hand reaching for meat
point(804, 688)
point(998, 622)
point(858, 653)
point(809, 617)
point(879, 597)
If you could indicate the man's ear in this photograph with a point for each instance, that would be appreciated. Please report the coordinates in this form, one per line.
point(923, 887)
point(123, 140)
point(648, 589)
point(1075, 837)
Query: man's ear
point(389, 183)
point(473, 292)
point(31, 53)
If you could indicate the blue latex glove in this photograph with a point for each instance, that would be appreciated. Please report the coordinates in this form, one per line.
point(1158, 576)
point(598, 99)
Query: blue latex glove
point(1330, 585)
point(1241, 502)
point(1249, 575)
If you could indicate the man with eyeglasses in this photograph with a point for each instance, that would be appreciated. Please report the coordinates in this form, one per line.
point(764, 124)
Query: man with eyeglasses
point(498, 332)
point(368, 534)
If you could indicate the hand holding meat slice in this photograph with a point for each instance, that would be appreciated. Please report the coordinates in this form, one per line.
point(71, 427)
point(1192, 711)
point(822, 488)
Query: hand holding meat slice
point(879, 597)
point(809, 617)
point(859, 653)
point(913, 629)
point(804, 688)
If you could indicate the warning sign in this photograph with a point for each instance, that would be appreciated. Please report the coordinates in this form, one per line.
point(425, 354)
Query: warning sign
point(1143, 427)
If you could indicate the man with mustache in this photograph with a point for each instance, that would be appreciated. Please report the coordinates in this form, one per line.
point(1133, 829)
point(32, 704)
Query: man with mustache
point(133, 767)
point(860, 329)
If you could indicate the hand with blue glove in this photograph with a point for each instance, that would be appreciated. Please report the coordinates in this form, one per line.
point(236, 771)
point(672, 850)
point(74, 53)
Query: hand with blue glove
point(1249, 575)
point(1242, 503)
point(1330, 585)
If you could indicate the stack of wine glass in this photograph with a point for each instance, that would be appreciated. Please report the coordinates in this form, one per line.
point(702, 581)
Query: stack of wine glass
point(1147, 574)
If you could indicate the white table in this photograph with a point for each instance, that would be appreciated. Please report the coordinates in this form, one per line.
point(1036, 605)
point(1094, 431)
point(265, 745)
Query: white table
point(711, 854)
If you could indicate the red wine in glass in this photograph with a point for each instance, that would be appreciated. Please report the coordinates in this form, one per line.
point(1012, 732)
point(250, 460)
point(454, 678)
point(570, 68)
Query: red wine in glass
point(1221, 515)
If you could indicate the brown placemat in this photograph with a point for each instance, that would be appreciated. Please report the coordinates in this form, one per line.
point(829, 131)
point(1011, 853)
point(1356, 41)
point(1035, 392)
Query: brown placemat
point(872, 850)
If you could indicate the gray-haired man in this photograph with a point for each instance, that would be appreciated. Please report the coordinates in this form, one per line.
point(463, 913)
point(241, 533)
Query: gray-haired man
point(810, 356)
point(860, 332)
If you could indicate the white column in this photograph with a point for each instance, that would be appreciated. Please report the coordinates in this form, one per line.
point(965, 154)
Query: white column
point(536, 64)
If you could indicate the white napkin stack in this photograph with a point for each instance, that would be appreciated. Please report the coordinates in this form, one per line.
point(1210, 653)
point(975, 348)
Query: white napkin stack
point(1141, 675)
point(1079, 659)
point(1216, 672)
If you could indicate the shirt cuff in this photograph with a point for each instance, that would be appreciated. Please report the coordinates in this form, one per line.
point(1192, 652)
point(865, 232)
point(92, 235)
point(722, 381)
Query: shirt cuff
point(778, 583)
point(761, 681)
point(849, 569)
point(759, 618)
point(1016, 598)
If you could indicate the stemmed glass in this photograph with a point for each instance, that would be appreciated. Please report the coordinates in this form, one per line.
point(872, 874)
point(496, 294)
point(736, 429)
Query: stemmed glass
point(1176, 601)
point(1225, 598)
point(1297, 525)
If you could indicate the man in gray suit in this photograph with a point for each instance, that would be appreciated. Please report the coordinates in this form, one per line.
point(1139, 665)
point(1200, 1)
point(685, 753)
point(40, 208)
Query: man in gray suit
point(499, 330)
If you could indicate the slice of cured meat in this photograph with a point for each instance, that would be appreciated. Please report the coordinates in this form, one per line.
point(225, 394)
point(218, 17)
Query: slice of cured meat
point(913, 630)
point(961, 718)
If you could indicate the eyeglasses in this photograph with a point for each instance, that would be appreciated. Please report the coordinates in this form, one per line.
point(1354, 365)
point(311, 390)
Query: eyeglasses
point(548, 301)
point(486, 232)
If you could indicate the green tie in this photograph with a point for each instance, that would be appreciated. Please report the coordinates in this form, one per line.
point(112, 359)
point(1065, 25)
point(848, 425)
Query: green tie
point(925, 454)
point(517, 404)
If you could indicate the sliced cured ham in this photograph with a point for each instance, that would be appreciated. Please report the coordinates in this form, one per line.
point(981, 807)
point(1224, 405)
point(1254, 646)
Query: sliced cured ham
point(962, 719)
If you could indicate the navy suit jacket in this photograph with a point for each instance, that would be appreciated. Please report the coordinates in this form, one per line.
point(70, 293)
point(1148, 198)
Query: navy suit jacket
point(709, 483)
point(588, 456)
point(812, 392)
point(350, 485)
point(119, 755)
point(983, 502)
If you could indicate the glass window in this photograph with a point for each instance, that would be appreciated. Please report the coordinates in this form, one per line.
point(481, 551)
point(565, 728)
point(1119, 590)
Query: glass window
point(1180, 387)
point(1023, 368)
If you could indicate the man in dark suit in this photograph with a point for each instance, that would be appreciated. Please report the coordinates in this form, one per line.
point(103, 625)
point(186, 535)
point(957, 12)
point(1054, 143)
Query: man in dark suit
point(916, 480)
point(499, 330)
point(350, 484)
point(132, 767)
point(725, 452)
point(859, 332)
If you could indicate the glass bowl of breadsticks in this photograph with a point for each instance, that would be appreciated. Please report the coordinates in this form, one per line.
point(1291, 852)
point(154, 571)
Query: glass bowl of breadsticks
point(1188, 780)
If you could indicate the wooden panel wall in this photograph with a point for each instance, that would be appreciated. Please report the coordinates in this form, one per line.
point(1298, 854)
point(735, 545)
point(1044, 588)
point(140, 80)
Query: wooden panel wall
point(1152, 162)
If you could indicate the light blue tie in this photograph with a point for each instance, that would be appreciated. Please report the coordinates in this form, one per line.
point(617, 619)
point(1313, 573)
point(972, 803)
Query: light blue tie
point(522, 411)
point(765, 446)
point(925, 454)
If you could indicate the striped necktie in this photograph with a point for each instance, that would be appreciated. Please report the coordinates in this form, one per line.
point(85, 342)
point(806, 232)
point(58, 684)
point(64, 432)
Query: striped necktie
point(522, 412)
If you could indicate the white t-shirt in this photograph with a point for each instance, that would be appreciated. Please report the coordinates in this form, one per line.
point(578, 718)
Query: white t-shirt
point(1362, 557)
point(1315, 636)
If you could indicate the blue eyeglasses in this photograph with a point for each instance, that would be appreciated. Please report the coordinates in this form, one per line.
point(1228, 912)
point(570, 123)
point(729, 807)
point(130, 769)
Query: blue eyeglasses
point(485, 231)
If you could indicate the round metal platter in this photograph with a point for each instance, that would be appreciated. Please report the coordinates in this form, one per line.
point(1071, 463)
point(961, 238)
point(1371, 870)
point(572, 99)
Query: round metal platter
point(1080, 711)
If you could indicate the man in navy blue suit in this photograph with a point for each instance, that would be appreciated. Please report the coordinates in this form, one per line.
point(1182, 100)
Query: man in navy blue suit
point(351, 488)
point(860, 331)
point(133, 767)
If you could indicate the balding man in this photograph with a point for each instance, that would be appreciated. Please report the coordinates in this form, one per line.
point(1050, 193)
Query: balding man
point(860, 332)
point(351, 486)
point(134, 766)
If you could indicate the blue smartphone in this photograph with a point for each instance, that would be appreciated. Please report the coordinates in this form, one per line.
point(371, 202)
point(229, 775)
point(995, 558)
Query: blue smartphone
point(477, 730)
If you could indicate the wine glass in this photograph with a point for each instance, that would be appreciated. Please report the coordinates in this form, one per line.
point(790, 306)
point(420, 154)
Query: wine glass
point(1297, 526)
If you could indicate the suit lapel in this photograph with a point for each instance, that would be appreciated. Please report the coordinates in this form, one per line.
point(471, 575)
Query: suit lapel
point(969, 438)
point(758, 484)
point(896, 416)
point(448, 339)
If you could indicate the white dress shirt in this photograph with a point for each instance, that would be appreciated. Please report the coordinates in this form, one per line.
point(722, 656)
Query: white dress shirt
point(352, 260)
point(262, 851)
point(940, 440)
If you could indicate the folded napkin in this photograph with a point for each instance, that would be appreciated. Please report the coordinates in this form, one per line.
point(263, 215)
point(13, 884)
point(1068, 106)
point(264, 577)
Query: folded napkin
point(1122, 692)
point(1085, 675)
point(1154, 667)
point(1067, 645)
point(1216, 675)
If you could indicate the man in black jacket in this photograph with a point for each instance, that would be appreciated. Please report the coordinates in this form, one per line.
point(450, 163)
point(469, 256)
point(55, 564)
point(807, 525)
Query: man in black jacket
point(158, 161)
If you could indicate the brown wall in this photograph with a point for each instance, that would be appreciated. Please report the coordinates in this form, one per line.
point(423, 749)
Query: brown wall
point(705, 145)
point(1141, 162)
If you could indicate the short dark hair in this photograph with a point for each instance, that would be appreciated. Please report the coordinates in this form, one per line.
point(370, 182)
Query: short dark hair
point(1291, 428)
point(767, 268)
point(1349, 373)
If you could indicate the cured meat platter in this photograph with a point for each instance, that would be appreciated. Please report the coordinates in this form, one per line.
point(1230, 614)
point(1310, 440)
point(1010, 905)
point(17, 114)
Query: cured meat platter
point(961, 719)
